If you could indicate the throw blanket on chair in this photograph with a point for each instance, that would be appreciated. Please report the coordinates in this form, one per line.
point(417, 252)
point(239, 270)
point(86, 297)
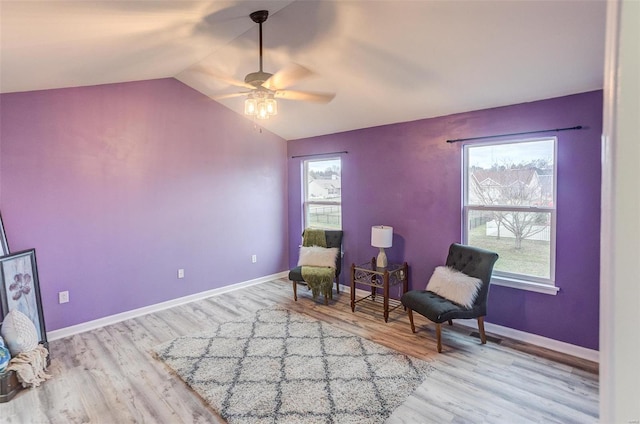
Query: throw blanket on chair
point(318, 279)
point(314, 237)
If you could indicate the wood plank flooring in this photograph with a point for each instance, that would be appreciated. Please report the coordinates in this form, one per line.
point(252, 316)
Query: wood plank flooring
point(109, 376)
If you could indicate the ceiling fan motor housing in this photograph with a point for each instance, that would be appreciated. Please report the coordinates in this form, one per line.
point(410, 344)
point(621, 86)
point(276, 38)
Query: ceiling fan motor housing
point(259, 16)
point(256, 79)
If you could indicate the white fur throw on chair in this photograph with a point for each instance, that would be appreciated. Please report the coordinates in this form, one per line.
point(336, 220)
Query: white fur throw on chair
point(318, 256)
point(454, 285)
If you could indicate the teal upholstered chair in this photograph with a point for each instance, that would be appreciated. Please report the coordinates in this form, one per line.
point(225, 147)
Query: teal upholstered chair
point(470, 260)
point(333, 239)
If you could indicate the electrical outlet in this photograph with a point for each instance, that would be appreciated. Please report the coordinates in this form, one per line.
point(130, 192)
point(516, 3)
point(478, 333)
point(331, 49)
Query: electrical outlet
point(63, 296)
point(254, 259)
point(181, 273)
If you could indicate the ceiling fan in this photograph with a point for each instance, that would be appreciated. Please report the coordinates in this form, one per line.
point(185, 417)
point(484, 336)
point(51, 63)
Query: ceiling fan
point(265, 88)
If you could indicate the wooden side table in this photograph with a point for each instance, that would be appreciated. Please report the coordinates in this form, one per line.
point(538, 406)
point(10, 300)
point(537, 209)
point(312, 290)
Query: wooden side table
point(369, 274)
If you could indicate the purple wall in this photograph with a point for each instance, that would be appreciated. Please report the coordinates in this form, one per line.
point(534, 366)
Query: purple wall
point(117, 186)
point(406, 175)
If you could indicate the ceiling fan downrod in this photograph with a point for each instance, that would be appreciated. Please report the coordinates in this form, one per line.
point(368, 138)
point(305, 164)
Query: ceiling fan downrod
point(259, 17)
point(256, 79)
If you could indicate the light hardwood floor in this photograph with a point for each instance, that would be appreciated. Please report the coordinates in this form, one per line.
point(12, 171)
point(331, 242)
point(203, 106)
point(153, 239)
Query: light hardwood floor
point(108, 375)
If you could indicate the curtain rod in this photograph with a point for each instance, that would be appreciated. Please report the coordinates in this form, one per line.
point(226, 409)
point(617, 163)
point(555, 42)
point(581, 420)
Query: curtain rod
point(318, 154)
point(578, 127)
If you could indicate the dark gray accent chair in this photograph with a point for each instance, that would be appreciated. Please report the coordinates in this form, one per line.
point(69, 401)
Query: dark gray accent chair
point(472, 261)
point(333, 239)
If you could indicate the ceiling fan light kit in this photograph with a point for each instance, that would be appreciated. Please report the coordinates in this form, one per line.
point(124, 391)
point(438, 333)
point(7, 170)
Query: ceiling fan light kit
point(260, 101)
point(260, 104)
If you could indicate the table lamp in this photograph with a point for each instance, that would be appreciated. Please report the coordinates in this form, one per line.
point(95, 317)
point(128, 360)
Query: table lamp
point(381, 236)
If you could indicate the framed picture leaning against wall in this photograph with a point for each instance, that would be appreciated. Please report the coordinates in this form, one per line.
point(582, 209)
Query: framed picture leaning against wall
point(4, 246)
point(20, 288)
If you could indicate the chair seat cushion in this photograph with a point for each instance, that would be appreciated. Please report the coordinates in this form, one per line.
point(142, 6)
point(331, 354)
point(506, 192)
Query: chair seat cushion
point(435, 307)
point(295, 274)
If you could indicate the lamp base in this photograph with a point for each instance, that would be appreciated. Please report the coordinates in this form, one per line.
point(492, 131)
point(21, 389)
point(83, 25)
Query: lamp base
point(381, 261)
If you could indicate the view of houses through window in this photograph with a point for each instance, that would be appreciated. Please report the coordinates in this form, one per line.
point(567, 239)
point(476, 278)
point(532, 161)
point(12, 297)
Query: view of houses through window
point(509, 206)
point(322, 194)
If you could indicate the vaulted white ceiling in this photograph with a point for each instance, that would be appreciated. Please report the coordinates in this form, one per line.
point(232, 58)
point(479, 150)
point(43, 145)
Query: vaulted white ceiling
point(387, 60)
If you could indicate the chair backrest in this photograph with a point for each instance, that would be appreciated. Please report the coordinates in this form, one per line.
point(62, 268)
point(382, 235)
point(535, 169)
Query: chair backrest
point(475, 262)
point(333, 238)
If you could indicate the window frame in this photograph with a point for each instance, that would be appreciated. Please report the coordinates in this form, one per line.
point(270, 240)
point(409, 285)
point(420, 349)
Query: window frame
point(306, 203)
point(504, 278)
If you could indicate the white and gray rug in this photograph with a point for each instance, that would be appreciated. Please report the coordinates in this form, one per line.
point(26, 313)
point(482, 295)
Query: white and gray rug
point(279, 366)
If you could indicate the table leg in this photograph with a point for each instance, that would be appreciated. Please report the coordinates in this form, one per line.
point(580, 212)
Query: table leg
point(405, 283)
point(385, 283)
point(353, 288)
point(373, 279)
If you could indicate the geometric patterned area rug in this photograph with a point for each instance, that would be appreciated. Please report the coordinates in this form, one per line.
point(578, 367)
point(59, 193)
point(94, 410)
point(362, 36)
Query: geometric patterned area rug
point(279, 366)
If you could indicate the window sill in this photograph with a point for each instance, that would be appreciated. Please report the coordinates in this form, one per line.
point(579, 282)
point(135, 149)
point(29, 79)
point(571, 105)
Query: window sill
point(525, 285)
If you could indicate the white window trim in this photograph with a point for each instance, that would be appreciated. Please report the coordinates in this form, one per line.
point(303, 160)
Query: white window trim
point(533, 284)
point(515, 283)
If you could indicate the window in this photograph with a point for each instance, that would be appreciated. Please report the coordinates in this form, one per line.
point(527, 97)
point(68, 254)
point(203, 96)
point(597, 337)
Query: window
point(509, 208)
point(323, 194)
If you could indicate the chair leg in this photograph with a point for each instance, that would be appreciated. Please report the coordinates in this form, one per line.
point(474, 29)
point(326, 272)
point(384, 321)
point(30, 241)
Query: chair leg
point(439, 337)
point(295, 291)
point(413, 327)
point(450, 322)
point(483, 337)
point(326, 299)
point(337, 285)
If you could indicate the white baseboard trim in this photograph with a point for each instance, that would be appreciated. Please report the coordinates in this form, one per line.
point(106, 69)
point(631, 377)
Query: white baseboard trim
point(112, 319)
point(558, 346)
point(534, 339)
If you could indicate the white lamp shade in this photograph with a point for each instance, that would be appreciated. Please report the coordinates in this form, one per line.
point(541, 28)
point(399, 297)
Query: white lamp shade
point(381, 236)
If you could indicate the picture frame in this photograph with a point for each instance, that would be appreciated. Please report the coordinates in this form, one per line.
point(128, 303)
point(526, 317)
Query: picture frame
point(20, 288)
point(4, 246)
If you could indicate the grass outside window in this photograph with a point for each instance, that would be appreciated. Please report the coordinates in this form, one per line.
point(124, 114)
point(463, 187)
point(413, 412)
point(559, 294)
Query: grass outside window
point(531, 259)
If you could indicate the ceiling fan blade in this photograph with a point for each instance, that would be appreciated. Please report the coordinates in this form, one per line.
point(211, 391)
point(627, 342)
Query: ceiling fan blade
point(230, 95)
point(287, 76)
point(224, 78)
point(307, 96)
